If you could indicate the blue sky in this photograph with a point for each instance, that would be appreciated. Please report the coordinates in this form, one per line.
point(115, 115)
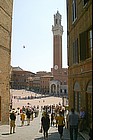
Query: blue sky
point(32, 28)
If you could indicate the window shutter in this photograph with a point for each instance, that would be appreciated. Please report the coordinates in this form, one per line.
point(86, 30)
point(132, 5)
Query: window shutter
point(83, 46)
point(77, 54)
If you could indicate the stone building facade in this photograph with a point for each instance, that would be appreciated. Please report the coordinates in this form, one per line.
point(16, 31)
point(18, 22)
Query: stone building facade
point(45, 83)
point(37, 82)
point(19, 78)
point(6, 8)
point(79, 34)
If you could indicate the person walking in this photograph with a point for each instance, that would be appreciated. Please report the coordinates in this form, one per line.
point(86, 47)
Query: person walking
point(61, 123)
point(82, 123)
point(73, 120)
point(67, 116)
point(12, 121)
point(28, 114)
point(22, 118)
point(45, 124)
point(52, 119)
point(32, 112)
point(56, 122)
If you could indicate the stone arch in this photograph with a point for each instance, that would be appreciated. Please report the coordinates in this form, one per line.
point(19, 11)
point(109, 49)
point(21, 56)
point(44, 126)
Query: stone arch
point(54, 87)
point(89, 87)
point(77, 86)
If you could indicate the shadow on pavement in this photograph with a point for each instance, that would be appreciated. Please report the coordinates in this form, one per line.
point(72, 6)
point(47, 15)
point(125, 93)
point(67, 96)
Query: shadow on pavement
point(19, 126)
point(6, 134)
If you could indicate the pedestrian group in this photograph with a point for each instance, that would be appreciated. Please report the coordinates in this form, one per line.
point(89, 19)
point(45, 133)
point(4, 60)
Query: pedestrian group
point(52, 116)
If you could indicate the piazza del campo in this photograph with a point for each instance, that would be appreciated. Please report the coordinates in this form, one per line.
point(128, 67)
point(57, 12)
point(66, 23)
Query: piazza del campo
point(66, 87)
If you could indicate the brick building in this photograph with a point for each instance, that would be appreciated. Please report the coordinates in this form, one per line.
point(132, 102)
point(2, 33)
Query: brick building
point(6, 7)
point(41, 82)
point(19, 78)
point(79, 31)
point(44, 83)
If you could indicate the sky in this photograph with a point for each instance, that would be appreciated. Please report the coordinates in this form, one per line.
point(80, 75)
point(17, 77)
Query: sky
point(32, 27)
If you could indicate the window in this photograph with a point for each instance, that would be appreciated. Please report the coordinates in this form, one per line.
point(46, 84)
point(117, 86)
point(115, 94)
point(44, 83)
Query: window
point(90, 43)
point(59, 22)
point(77, 101)
point(86, 45)
point(65, 72)
point(56, 21)
point(74, 12)
point(83, 45)
point(75, 52)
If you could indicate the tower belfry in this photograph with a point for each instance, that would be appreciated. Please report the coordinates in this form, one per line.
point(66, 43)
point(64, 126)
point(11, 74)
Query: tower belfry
point(57, 30)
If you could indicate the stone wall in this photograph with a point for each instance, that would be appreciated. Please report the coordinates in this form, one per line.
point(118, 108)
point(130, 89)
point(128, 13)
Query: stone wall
point(6, 7)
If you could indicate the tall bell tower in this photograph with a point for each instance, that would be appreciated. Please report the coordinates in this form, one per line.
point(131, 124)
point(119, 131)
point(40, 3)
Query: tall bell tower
point(57, 30)
point(58, 85)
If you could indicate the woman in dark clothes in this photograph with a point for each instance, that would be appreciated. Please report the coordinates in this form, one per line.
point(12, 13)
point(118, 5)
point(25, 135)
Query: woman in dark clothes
point(45, 123)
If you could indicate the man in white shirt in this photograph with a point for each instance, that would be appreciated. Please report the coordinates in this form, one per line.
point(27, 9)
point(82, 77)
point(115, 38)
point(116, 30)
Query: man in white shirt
point(73, 122)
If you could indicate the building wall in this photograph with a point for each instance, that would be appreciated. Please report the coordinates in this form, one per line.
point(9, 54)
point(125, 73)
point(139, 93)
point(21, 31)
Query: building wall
point(6, 7)
point(80, 72)
point(36, 84)
point(44, 83)
point(19, 79)
point(61, 75)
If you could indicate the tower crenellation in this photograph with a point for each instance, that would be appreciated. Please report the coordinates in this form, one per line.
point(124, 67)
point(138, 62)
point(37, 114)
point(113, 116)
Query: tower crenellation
point(57, 28)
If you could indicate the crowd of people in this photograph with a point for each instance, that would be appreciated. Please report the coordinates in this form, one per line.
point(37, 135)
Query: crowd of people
point(52, 116)
point(26, 113)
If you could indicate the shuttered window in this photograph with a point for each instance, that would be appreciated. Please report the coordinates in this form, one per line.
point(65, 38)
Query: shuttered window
point(90, 43)
point(86, 45)
point(75, 52)
point(83, 46)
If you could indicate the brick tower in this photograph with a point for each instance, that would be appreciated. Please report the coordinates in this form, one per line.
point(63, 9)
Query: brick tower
point(58, 85)
point(57, 30)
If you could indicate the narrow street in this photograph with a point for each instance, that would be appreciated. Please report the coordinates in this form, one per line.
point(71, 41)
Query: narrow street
point(31, 132)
